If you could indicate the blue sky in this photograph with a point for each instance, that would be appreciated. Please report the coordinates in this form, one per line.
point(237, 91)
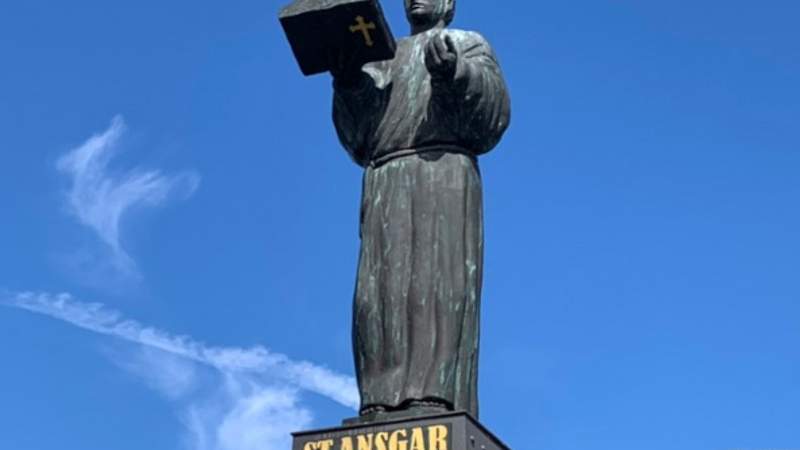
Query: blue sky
point(178, 239)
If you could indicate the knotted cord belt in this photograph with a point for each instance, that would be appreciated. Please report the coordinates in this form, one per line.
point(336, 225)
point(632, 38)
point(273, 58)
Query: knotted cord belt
point(430, 148)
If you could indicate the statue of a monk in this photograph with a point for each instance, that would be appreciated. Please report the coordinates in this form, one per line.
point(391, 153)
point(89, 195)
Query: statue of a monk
point(417, 124)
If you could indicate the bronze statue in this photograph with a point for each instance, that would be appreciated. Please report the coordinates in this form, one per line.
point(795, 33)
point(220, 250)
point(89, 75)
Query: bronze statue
point(417, 124)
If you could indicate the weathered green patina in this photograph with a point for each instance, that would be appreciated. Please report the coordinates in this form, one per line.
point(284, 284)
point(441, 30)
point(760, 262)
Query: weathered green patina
point(417, 124)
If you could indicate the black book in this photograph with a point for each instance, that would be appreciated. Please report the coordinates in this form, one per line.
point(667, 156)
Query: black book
point(316, 29)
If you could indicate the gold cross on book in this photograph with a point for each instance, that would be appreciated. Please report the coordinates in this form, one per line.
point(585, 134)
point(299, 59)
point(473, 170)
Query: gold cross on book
point(363, 27)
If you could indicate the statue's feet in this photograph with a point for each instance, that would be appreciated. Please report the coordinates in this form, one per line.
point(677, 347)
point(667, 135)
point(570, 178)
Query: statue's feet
point(368, 414)
point(428, 406)
point(373, 410)
point(409, 409)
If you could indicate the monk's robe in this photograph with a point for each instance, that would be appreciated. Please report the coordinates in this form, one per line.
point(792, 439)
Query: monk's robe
point(417, 298)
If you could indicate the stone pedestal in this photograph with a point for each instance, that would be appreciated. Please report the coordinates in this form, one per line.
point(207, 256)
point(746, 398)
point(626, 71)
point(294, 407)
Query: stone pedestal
point(449, 431)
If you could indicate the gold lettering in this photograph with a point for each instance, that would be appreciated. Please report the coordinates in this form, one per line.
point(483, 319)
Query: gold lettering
point(417, 439)
point(381, 439)
point(347, 443)
point(437, 437)
point(365, 442)
point(395, 443)
point(319, 445)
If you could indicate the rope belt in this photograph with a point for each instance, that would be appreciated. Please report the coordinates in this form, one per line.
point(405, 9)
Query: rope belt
point(432, 148)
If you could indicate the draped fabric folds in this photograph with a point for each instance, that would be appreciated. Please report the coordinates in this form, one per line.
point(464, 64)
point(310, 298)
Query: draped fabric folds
point(417, 300)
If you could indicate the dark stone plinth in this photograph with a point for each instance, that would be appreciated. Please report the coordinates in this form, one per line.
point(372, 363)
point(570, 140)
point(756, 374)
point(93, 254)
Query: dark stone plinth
point(449, 431)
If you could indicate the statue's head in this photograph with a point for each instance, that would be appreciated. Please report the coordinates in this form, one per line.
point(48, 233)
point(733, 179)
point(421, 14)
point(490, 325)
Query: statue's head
point(427, 13)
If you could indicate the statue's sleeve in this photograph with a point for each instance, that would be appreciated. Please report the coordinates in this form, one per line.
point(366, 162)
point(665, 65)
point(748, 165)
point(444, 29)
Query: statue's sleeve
point(478, 94)
point(357, 110)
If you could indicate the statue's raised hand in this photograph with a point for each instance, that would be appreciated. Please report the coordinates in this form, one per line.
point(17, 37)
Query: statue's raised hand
point(441, 57)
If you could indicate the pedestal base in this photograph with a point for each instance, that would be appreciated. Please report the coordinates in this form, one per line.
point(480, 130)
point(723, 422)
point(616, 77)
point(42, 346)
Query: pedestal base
point(448, 431)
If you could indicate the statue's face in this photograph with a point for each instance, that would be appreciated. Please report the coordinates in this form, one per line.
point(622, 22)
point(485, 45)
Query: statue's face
point(424, 12)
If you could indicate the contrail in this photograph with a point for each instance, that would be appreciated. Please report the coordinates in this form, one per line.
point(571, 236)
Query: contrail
point(97, 318)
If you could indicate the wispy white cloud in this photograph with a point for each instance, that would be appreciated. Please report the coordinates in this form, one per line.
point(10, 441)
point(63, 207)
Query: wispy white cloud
point(99, 197)
point(260, 418)
point(228, 398)
point(245, 413)
point(173, 376)
point(258, 403)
